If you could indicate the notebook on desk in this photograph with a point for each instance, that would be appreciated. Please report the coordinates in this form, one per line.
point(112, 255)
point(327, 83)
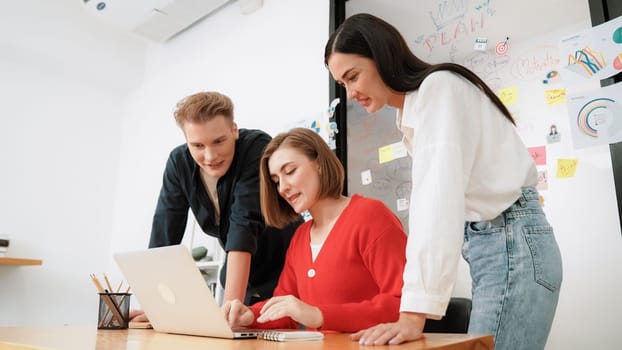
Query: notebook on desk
point(173, 293)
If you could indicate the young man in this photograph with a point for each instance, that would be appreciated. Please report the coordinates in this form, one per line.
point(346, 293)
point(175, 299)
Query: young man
point(216, 175)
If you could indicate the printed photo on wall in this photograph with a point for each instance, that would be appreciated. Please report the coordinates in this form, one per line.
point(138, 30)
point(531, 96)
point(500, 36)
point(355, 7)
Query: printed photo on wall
point(553, 135)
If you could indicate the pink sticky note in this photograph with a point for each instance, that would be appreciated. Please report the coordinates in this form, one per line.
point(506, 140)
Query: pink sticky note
point(538, 154)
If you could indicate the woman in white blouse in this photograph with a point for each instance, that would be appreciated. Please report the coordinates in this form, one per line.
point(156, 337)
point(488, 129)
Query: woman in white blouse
point(472, 191)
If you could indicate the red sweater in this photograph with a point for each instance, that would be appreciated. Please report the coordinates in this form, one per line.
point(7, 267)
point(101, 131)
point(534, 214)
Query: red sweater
point(358, 272)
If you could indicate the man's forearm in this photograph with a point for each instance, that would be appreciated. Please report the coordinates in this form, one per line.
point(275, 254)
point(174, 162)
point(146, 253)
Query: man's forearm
point(238, 270)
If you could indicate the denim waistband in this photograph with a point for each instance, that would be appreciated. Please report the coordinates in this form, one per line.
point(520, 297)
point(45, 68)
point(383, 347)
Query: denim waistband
point(518, 208)
point(528, 193)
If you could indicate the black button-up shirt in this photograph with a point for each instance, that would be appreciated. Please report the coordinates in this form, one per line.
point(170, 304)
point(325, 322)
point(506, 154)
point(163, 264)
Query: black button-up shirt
point(241, 226)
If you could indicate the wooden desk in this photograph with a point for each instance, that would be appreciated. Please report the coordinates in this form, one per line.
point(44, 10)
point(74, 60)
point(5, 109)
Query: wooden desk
point(84, 338)
point(19, 261)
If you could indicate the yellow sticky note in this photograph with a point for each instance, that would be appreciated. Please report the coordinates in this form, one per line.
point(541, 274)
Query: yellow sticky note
point(509, 95)
point(566, 168)
point(385, 154)
point(555, 97)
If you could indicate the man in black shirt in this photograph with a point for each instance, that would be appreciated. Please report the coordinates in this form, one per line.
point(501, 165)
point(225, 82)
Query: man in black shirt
point(216, 175)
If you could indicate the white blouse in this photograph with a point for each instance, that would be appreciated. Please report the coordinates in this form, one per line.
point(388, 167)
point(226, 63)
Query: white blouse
point(468, 164)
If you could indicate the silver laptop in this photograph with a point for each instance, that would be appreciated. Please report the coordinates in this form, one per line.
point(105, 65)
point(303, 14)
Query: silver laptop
point(173, 293)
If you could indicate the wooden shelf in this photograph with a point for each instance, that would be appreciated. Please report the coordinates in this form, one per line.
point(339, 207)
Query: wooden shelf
point(19, 261)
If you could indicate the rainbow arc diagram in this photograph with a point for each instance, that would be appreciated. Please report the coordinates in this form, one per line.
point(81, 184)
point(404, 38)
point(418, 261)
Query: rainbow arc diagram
point(600, 114)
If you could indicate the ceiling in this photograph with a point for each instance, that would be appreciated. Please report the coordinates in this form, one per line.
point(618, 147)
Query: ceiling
point(61, 36)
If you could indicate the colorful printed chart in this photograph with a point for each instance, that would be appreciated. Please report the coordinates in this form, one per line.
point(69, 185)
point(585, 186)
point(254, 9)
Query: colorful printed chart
point(596, 117)
point(593, 114)
point(595, 53)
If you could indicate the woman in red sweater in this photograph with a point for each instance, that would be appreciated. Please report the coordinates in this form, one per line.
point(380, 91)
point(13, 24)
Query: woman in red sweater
point(343, 269)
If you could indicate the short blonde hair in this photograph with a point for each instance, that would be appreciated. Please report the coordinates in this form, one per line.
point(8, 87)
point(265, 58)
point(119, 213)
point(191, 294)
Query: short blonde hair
point(276, 211)
point(203, 106)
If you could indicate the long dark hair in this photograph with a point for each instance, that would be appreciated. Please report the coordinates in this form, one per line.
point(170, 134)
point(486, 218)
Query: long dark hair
point(371, 37)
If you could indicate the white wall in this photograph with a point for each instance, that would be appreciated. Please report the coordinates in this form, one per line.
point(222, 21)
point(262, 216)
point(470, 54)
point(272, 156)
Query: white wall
point(269, 62)
point(83, 139)
point(62, 89)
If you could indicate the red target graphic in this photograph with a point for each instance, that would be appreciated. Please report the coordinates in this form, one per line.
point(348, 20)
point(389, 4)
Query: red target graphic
point(502, 47)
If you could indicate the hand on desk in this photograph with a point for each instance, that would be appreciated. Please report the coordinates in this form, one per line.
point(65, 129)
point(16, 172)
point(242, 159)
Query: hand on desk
point(238, 314)
point(409, 327)
point(138, 316)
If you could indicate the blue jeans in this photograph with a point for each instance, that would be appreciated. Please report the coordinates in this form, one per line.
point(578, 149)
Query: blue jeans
point(516, 270)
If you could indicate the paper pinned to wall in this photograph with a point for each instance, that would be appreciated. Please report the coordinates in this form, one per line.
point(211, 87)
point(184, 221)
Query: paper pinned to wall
point(566, 168)
point(402, 204)
point(509, 96)
point(321, 124)
point(366, 177)
point(594, 53)
point(555, 97)
point(595, 116)
point(480, 44)
point(543, 183)
point(538, 154)
point(391, 152)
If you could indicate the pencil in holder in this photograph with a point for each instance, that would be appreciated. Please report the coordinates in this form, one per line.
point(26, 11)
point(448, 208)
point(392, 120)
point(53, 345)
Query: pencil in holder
point(114, 310)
